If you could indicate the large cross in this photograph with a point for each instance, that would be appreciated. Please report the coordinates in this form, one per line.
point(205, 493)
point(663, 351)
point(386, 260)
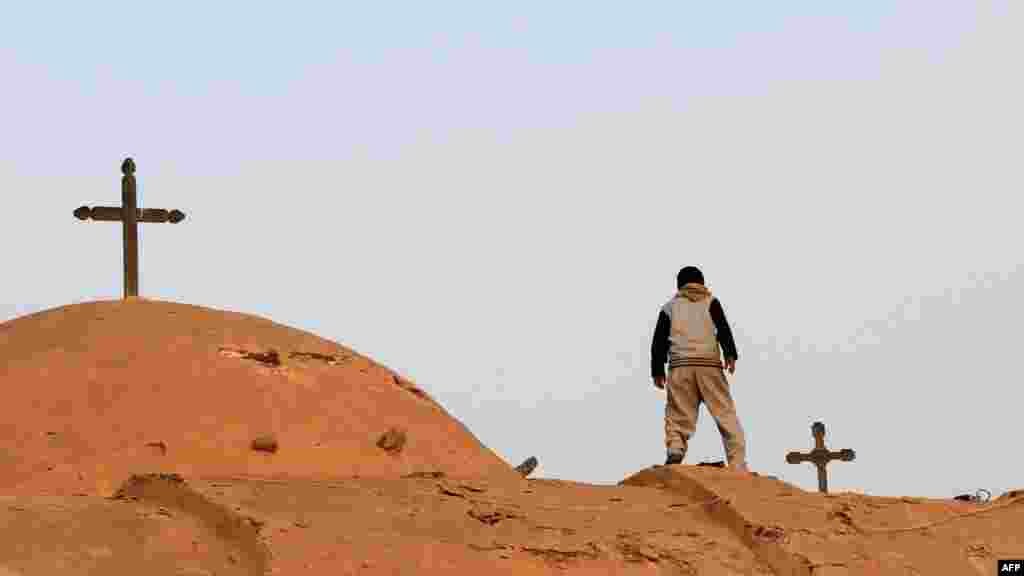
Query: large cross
point(820, 456)
point(129, 215)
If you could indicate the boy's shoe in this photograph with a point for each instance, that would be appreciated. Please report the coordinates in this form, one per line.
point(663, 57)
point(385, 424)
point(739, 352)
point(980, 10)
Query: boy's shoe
point(673, 458)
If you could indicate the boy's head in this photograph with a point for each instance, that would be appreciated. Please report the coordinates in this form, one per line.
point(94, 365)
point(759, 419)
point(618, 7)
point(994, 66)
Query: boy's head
point(689, 275)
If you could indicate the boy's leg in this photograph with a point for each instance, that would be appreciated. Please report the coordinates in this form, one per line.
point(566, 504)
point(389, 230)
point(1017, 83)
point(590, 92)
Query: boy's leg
point(714, 389)
point(681, 409)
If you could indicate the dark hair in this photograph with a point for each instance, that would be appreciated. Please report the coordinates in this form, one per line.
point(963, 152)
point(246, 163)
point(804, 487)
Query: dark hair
point(689, 275)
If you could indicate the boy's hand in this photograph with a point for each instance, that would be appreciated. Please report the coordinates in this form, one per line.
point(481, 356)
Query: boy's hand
point(659, 382)
point(730, 365)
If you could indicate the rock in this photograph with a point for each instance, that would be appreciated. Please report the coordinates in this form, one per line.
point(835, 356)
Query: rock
point(392, 441)
point(528, 466)
point(265, 443)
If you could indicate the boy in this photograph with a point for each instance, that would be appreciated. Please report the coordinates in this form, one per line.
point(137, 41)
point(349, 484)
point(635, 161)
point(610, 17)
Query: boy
point(691, 326)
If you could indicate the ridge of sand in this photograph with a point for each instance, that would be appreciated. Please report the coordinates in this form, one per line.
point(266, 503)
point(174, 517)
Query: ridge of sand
point(232, 529)
point(805, 533)
point(679, 520)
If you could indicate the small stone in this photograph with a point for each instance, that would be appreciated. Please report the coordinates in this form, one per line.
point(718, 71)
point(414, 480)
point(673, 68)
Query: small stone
point(392, 441)
point(265, 443)
point(528, 466)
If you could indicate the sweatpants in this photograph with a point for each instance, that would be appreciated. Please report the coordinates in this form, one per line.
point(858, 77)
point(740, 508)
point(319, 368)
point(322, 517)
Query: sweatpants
point(687, 387)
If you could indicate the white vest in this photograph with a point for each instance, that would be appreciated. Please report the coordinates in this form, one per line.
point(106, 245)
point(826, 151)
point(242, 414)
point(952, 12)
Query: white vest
point(692, 339)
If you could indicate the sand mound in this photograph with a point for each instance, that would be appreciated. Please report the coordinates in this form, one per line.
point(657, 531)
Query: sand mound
point(98, 391)
point(154, 438)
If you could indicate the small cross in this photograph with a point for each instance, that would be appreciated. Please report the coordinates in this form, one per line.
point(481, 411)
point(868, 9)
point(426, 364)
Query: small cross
point(129, 215)
point(820, 456)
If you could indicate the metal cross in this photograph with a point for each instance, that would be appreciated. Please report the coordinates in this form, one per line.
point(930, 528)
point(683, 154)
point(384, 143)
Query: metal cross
point(129, 215)
point(820, 456)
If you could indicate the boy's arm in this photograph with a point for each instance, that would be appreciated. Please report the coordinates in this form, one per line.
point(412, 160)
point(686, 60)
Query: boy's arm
point(724, 332)
point(659, 346)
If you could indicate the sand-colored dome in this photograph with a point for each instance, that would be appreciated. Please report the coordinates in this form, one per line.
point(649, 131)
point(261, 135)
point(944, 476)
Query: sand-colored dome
point(97, 391)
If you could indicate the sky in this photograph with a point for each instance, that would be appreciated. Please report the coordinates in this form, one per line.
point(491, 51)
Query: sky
point(494, 200)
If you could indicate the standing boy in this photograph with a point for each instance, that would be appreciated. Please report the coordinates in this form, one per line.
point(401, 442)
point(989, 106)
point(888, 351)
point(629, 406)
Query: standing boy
point(691, 334)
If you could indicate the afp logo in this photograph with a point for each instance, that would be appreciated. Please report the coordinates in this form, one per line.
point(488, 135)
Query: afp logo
point(1010, 567)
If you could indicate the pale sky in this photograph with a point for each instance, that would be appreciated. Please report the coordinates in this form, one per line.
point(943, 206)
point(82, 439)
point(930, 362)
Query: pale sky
point(494, 200)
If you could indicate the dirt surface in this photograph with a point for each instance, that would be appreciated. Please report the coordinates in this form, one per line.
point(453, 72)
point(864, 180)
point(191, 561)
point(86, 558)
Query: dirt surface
point(156, 438)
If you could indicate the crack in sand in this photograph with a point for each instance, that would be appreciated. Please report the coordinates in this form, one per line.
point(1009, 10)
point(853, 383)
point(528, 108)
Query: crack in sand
point(490, 514)
point(434, 474)
point(272, 358)
point(563, 556)
point(268, 358)
point(564, 531)
point(635, 549)
point(328, 359)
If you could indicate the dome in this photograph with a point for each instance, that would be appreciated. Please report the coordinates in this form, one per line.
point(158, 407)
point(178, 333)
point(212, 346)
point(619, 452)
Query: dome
point(97, 391)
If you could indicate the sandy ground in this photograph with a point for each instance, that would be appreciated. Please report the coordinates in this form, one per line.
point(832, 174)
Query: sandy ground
point(127, 446)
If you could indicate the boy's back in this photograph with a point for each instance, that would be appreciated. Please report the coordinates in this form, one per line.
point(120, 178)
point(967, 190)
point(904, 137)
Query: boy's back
point(691, 335)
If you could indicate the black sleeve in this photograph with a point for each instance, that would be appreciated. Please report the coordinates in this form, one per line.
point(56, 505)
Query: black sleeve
point(724, 333)
point(659, 346)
